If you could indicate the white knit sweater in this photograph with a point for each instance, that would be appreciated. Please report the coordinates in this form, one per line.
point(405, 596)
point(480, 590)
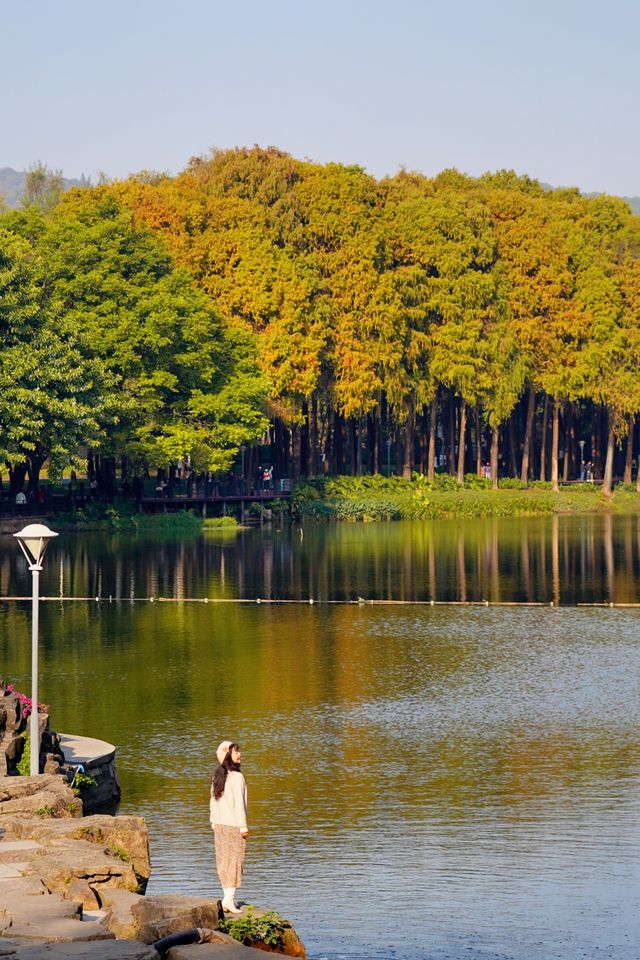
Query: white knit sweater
point(231, 809)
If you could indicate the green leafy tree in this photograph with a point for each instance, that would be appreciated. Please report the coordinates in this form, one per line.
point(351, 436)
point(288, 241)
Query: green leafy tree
point(43, 188)
point(52, 397)
point(114, 285)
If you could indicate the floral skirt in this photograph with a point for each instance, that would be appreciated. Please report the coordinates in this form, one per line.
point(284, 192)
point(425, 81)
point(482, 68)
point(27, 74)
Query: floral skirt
point(230, 852)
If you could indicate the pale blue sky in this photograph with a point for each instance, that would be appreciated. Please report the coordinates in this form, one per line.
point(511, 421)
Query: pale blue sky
point(545, 88)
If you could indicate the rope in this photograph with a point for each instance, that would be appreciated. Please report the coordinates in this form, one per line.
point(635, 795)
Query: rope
point(360, 601)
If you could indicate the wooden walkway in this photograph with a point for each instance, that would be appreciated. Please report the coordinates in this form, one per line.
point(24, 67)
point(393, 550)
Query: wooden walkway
point(217, 505)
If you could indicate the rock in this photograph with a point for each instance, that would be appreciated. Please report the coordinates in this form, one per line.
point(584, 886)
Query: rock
point(118, 905)
point(225, 950)
point(60, 931)
point(64, 860)
point(10, 712)
point(102, 950)
point(151, 918)
point(46, 795)
point(22, 887)
point(292, 946)
point(9, 945)
point(79, 891)
point(48, 918)
point(124, 836)
point(18, 906)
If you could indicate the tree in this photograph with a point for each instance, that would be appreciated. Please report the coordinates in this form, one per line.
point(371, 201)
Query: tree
point(43, 188)
point(52, 398)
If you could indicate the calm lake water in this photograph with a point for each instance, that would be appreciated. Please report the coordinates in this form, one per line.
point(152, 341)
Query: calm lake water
point(424, 781)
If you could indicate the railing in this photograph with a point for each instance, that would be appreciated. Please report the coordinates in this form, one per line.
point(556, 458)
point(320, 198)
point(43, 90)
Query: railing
point(65, 497)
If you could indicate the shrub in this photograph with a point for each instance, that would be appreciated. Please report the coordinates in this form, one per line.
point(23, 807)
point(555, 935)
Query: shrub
point(24, 764)
point(218, 523)
point(249, 929)
point(82, 782)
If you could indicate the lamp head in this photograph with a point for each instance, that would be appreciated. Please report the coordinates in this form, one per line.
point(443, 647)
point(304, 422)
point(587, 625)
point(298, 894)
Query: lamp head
point(34, 539)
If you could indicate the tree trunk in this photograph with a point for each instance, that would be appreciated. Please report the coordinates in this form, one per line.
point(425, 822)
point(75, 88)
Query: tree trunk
point(338, 445)
point(407, 465)
point(495, 434)
point(359, 430)
point(314, 459)
point(353, 447)
point(303, 433)
point(596, 443)
point(607, 481)
point(513, 457)
point(573, 442)
point(451, 433)
point(478, 442)
point(424, 440)
point(461, 441)
point(433, 422)
point(372, 441)
point(17, 473)
point(295, 443)
point(34, 466)
point(528, 433)
point(543, 440)
point(629, 454)
point(568, 424)
point(554, 446)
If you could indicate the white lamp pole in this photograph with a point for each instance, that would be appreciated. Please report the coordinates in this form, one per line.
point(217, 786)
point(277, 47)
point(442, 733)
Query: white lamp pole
point(33, 540)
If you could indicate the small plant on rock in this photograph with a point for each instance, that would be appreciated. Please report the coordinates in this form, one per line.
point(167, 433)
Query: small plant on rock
point(24, 763)
point(82, 782)
point(118, 851)
point(249, 929)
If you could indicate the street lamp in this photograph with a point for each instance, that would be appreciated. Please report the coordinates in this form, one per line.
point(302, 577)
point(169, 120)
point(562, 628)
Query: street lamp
point(581, 445)
point(389, 442)
point(34, 539)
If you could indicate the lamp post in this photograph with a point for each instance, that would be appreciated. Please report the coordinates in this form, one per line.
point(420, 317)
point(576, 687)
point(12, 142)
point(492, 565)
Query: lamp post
point(581, 445)
point(389, 443)
point(34, 539)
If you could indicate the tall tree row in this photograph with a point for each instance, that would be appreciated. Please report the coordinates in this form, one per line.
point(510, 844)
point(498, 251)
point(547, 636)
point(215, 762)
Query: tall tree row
point(406, 324)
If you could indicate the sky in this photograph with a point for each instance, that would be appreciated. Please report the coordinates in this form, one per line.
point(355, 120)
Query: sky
point(549, 89)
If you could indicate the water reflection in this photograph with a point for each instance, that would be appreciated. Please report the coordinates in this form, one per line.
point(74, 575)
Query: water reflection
point(559, 559)
point(424, 781)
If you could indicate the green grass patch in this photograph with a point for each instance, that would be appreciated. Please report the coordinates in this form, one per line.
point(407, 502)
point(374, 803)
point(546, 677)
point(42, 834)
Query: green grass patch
point(123, 515)
point(220, 523)
point(370, 499)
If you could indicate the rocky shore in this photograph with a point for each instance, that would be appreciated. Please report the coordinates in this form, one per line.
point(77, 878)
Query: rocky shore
point(74, 886)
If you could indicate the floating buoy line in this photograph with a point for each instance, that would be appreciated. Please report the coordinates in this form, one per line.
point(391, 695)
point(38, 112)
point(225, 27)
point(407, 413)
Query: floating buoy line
point(313, 601)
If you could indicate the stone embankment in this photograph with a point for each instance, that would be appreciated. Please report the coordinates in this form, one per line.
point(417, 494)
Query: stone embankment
point(73, 887)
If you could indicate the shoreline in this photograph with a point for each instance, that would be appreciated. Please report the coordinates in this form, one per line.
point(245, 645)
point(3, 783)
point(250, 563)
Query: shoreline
point(356, 500)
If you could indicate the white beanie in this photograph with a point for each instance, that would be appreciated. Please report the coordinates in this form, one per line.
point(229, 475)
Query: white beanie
point(221, 752)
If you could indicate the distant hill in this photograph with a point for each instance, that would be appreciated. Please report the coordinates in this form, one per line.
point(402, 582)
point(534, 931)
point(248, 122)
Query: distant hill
point(634, 202)
point(12, 185)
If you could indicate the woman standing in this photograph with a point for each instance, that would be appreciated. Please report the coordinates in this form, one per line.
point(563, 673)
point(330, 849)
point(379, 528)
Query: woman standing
point(228, 806)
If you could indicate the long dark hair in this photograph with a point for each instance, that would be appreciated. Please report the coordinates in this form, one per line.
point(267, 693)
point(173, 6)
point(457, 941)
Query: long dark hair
point(220, 773)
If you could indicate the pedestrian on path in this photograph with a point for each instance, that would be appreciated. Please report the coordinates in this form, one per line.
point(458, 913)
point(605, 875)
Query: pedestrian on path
point(228, 814)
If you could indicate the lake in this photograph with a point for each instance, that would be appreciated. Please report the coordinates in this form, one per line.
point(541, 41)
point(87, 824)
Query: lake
point(425, 781)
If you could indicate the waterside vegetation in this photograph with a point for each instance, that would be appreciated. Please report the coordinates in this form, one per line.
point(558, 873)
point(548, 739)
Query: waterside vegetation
point(378, 498)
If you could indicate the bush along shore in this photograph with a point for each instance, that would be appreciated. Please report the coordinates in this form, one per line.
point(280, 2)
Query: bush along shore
point(367, 499)
point(124, 516)
point(373, 498)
